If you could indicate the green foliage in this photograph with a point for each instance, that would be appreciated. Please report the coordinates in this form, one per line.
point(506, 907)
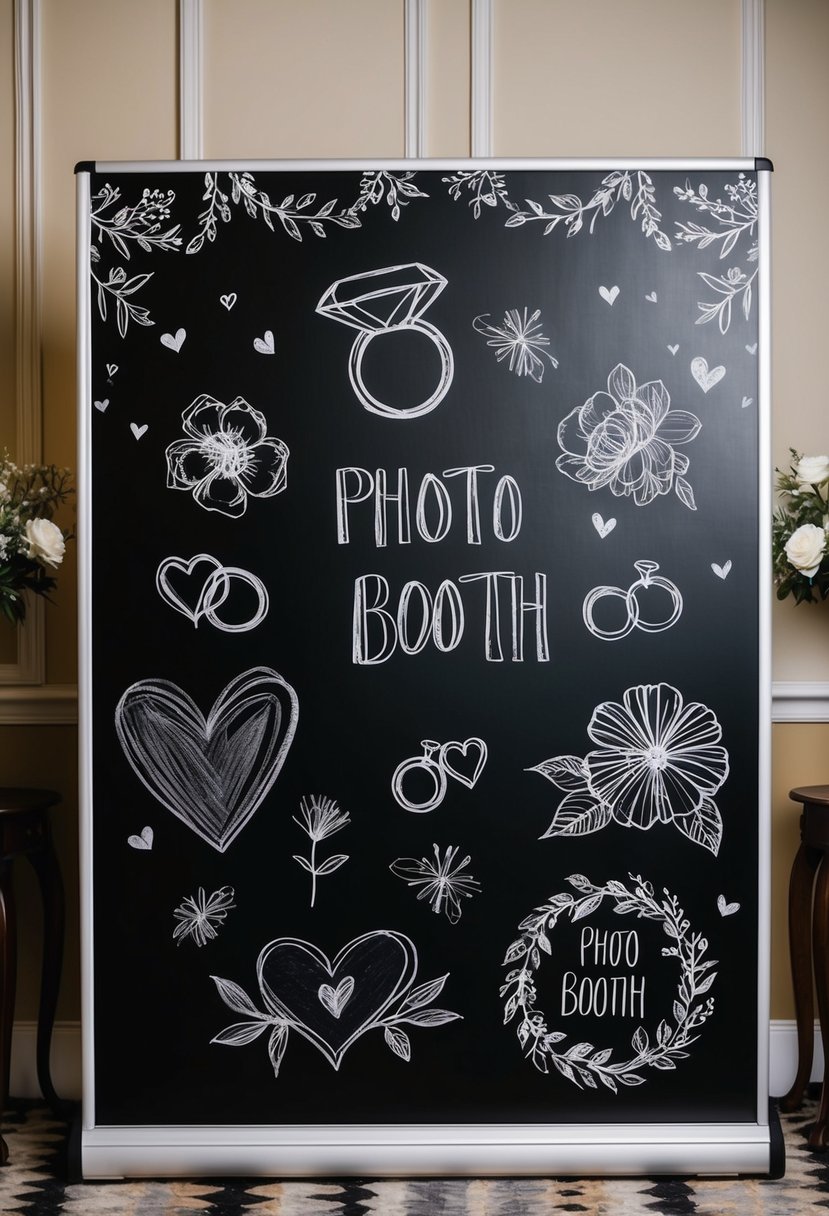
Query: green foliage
point(27, 493)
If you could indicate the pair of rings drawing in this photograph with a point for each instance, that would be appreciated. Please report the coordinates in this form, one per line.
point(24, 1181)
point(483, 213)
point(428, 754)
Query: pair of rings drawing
point(430, 771)
point(634, 617)
point(215, 588)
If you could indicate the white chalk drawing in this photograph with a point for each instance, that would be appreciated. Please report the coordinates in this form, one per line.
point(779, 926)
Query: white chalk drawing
point(143, 841)
point(519, 339)
point(673, 347)
point(658, 759)
point(144, 224)
point(112, 368)
point(227, 456)
point(101, 405)
point(384, 301)
point(725, 908)
point(624, 439)
point(332, 1003)
point(398, 189)
point(320, 818)
point(228, 300)
point(705, 376)
point(485, 189)
point(443, 883)
point(213, 584)
point(609, 294)
point(632, 597)
point(722, 571)
point(139, 430)
point(462, 762)
point(174, 341)
point(603, 526)
point(728, 220)
point(746, 402)
point(751, 347)
point(265, 345)
point(212, 773)
point(582, 1063)
point(651, 297)
point(200, 916)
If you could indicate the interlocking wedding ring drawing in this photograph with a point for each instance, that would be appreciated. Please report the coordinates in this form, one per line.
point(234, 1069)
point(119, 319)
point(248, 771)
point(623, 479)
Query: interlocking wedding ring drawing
point(648, 578)
point(213, 592)
point(438, 762)
point(385, 301)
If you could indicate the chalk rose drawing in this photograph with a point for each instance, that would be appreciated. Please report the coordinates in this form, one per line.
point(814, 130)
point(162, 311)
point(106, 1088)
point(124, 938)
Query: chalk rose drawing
point(227, 456)
point(658, 759)
point(624, 439)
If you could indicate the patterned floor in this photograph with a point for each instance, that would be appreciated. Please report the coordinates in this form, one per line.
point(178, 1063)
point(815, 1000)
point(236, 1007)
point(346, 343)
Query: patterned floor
point(33, 1184)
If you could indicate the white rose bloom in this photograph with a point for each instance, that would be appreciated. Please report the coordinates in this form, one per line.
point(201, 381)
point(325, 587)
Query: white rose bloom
point(46, 542)
point(812, 470)
point(805, 548)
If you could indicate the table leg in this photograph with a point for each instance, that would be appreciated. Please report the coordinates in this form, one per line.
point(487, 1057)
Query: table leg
point(8, 979)
point(820, 933)
point(45, 864)
point(800, 953)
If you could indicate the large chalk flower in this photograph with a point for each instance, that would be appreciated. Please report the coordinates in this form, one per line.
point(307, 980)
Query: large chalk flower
point(624, 439)
point(227, 456)
point(656, 757)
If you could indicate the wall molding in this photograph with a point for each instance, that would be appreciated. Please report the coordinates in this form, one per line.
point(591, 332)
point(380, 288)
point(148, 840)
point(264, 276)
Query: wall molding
point(800, 701)
point(190, 80)
point(415, 46)
point(482, 40)
point(40, 705)
point(753, 82)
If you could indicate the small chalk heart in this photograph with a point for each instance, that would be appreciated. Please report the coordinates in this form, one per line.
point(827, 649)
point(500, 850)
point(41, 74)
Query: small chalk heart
point(609, 294)
point(706, 377)
point(101, 405)
point(746, 401)
point(229, 300)
point(142, 841)
point(112, 368)
point(336, 999)
point(722, 571)
point(651, 296)
point(752, 349)
point(137, 430)
point(673, 349)
point(264, 345)
point(603, 527)
point(727, 909)
point(174, 343)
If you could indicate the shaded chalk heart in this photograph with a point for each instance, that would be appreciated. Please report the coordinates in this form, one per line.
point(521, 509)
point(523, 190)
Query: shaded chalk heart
point(609, 294)
point(300, 985)
point(603, 527)
point(464, 761)
point(229, 300)
point(706, 378)
point(137, 430)
point(188, 592)
point(144, 841)
point(264, 345)
point(752, 349)
point(212, 773)
point(112, 368)
point(746, 401)
point(101, 405)
point(651, 296)
point(727, 909)
point(174, 343)
point(336, 999)
point(722, 571)
point(673, 349)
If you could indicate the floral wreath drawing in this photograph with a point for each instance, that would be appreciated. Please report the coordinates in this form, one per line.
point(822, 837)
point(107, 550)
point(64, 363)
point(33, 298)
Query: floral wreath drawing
point(657, 759)
point(584, 1064)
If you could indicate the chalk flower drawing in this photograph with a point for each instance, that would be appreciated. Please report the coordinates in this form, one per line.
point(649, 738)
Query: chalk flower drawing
point(486, 189)
point(227, 456)
point(624, 439)
point(321, 818)
point(199, 916)
point(442, 882)
point(333, 1002)
point(582, 1063)
point(519, 339)
point(730, 219)
point(658, 759)
point(398, 189)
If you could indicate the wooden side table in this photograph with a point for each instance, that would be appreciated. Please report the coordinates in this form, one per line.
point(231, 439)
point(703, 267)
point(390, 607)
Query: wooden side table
point(25, 831)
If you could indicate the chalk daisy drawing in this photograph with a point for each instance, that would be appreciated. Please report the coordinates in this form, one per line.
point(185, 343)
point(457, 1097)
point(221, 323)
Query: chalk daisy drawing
point(729, 220)
point(320, 818)
point(227, 456)
point(200, 916)
point(657, 759)
point(519, 339)
point(625, 439)
point(442, 882)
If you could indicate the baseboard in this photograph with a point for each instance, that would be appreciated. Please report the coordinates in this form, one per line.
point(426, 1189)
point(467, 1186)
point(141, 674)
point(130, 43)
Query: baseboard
point(66, 1058)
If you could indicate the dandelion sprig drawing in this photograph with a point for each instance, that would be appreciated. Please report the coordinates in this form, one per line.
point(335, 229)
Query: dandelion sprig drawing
point(200, 916)
point(320, 818)
point(730, 219)
point(520, 340)
point(442, 882)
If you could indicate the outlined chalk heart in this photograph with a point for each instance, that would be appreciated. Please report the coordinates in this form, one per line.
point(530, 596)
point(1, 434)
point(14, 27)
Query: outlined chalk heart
point(101, 405)
point(651, 297)
point(143, 841)
point(112, 368)
point(212, 773)
point(139, 431)
point(293, 975)
point(189, 586)
point(725, 908)
point(228, 300)
point(706, 377)
point(722, 571)
point(174, 342)
point(603, 526)
point(609, 294)
point(673, 348)
point(265, 344)
point(464, 761)
point(336, 999)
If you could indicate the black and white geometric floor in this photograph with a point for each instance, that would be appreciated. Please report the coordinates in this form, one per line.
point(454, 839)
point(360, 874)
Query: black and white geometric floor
point(34, 1184)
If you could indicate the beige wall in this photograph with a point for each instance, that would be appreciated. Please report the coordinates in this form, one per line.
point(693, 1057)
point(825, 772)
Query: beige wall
point(326, 78)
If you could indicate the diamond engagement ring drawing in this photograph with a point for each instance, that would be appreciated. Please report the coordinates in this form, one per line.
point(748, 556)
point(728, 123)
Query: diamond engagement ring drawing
point(386, 301)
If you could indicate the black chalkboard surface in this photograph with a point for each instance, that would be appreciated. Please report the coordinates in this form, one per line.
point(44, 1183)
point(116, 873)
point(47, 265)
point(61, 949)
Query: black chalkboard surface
point(424, 660)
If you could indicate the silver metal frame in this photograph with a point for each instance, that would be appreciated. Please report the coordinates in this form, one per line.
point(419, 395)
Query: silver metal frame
point(395, 1149)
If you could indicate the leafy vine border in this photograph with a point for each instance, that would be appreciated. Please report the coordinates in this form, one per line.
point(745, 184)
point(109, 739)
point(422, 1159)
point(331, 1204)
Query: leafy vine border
point(582, 1063)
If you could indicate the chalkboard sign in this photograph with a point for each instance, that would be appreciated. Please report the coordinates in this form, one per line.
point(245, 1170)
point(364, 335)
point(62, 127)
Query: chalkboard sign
point(424, 694)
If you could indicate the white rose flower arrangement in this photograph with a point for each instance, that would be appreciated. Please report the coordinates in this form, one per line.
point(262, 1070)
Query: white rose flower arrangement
point(800, 530)
point(31, 543)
